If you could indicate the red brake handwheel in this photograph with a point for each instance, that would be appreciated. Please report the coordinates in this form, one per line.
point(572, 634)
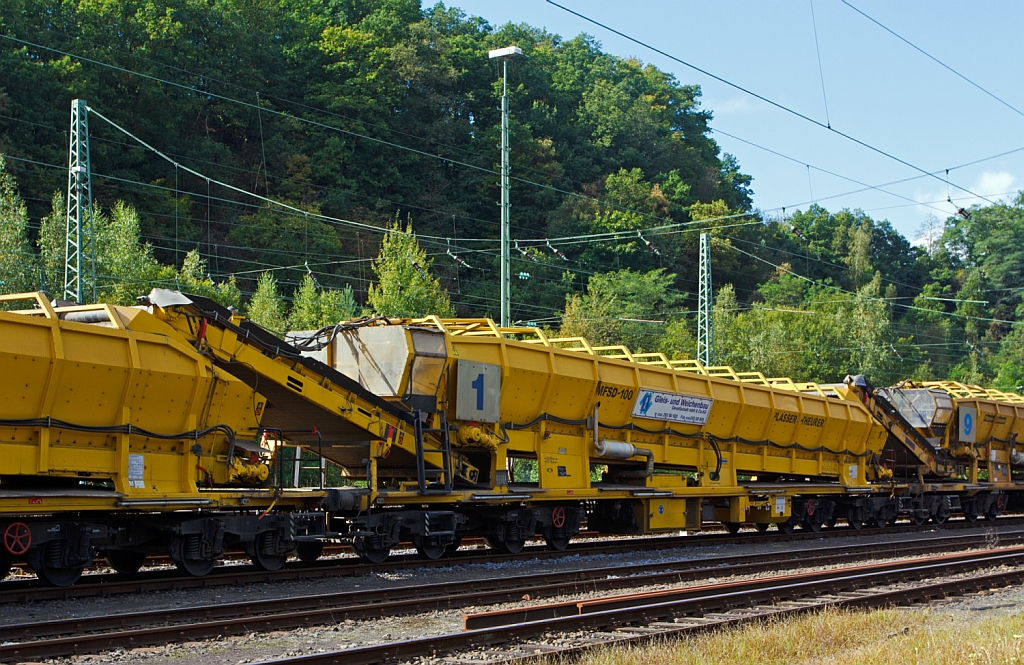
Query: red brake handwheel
point(17, 538)
point(558, 517)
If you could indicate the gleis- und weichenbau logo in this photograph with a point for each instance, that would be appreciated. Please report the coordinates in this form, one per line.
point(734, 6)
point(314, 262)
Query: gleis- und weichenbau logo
point(645, 403)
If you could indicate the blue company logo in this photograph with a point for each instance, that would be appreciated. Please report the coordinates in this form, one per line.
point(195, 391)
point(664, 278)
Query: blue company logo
point(968, 423)
point(645, 403)
point(661, 509)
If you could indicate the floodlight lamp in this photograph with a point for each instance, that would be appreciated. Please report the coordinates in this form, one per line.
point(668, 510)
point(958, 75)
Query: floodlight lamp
point(507, 52)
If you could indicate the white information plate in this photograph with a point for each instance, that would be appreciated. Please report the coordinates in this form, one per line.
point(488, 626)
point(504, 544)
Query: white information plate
point(688, 409)
point(968, 424)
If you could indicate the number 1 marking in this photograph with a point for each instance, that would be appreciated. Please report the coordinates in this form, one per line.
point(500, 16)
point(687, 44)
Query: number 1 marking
point(478, 384)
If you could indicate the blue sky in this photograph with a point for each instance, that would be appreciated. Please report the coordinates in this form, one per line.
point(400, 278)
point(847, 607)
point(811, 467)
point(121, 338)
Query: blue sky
point(878, 89)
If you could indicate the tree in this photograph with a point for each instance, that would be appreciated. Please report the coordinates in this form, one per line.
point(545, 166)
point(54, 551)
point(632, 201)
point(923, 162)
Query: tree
point(814, 333)
point(314, 308)
point(17, 261)
point(1009, 361)
point(126, 268)
point(405, 287)
point(621, 307)
point(679, 341)
point(194, 277)
point(266, 309)
point(52, 246)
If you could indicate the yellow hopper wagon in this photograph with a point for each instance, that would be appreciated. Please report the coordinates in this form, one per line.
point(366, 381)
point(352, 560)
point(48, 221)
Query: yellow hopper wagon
point(556, 433)
point(954, 446)
point(122, 436)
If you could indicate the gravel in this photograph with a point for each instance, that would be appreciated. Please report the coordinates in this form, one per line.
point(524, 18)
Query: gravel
point(267, 646)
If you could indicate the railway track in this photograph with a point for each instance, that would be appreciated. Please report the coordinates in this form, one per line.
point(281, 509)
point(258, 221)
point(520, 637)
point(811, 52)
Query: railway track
point(641, 618)
point(106, 584)
point(39, 640)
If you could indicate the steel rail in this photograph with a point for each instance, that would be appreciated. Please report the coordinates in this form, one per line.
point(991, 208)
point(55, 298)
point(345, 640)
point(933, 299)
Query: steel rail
point(106, 584)
point(273, 614)
point(654, 614)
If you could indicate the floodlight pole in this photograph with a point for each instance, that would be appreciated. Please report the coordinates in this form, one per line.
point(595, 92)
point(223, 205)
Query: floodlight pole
point(506, 279)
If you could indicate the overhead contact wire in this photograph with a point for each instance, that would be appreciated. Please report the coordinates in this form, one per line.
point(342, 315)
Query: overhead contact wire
point(777, 105)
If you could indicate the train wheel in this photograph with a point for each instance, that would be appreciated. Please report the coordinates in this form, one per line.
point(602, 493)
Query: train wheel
point(510, 546)
point(918, 519)
point(812, 525)
point(971, 516)
point(125, 561)
point(183, 549)
point(6, 561)
point(428, 550)
point(309, 551)
point(50, 570)
point(941, 515)
point(879, 522)
point(369, 553)
point(733, 527)
point(263, 552)
point(557, 542)
point(762, 526)
point(514, 546)
point(453, 547)
point(995, 508)
point(786, 527)
point(59, 576)
point(855, 523)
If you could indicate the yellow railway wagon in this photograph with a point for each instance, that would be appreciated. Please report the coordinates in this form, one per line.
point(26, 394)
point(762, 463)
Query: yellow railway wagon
point(639, 442)
point(987, 427)
point(107, 412)
point(952, 445)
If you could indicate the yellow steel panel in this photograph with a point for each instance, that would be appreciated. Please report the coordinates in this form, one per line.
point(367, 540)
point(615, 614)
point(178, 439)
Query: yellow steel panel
point(527, 358)
point(560, 464)
point(665, 514)
point(93, 375)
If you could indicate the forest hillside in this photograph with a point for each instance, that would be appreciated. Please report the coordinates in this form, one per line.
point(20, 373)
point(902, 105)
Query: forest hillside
point(308, 161)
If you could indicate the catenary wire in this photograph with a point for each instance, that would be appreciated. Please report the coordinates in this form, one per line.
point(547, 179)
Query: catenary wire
point(934, 59)
point(778, 105)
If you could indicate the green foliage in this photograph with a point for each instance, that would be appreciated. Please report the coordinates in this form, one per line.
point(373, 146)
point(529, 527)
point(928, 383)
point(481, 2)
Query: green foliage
point(194, 277)
point(680, 340)
point(582, 120)
point(630, 138)
point(811, 333)
point(266, 309)
point(17, 261)
point(125, 267)
point(405, 287)
point(51, 246)
point(621, 307)
point(1008, 362)
point(314, 308)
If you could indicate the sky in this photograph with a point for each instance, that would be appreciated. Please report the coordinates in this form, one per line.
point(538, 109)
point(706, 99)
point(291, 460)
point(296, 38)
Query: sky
point(877, 89)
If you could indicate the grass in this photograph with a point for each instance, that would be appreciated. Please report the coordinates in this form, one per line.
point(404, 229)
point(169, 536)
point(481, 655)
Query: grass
point(881, 637)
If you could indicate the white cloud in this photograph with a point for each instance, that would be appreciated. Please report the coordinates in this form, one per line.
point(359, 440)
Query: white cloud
point(994, 184)
point(727, 106)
